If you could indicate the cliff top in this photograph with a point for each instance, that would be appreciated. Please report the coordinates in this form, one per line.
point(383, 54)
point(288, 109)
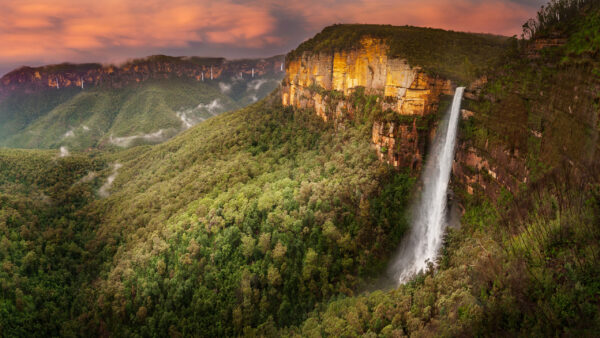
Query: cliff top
point(455, 55)
point(559, 18)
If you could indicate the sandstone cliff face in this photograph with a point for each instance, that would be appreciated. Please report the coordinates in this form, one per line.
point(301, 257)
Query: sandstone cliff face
point(520, 134)
point(325, 81)
point(155, 67)
point(535, 47)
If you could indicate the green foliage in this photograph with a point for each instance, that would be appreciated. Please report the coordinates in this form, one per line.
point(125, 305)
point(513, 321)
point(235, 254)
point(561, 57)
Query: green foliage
point(264, 231)
point(534, 277)
point(557, 18)
point(43, 253)
point(242, 223)
point(586, 39)
point(21, 109)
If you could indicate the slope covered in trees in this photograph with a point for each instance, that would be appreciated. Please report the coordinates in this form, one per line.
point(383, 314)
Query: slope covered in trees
point(264, 208)
point(268, 221)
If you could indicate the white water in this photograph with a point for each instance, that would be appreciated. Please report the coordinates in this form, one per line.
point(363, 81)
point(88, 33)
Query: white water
point(69, 133)
point(424, 240)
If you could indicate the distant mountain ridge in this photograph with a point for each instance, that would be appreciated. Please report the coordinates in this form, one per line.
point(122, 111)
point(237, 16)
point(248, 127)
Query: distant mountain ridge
point(149, 100)
point(67, 75)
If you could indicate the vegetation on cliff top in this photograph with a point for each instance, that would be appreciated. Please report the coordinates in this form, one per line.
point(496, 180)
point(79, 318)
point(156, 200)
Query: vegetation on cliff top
point(454, 55)
point(558, 18)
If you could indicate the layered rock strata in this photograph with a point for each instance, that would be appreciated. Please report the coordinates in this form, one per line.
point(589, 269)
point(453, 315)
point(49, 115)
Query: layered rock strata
point(154, 67)
point(325, 81)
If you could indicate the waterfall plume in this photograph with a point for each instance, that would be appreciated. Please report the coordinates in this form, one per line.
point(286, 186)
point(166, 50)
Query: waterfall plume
point(428, 222)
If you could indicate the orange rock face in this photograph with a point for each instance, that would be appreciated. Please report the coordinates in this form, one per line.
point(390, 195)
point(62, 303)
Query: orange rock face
point(313, 80)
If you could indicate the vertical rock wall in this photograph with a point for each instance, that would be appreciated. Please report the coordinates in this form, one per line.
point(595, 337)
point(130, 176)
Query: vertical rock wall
point(324, 81)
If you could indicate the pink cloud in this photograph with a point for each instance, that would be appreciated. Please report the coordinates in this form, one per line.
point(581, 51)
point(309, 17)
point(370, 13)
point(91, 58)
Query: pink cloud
point(26, 28)
point(65, 29)
point(490, 16)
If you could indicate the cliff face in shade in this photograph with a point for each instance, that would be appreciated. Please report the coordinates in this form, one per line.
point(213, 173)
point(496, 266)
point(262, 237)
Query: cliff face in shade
point(514, 134)
point(318, 81)
point(136, 71)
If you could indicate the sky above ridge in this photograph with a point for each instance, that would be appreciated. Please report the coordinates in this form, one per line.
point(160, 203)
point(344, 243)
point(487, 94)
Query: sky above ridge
point(37, 32)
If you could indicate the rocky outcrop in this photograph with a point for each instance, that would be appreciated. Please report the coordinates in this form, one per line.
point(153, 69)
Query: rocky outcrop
point(154, 67)
point(535, 46)
point(325, 82)
point(401, 145)
point(489, 170)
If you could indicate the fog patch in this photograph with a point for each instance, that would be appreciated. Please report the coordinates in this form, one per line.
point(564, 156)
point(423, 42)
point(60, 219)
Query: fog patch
point(189, 117)
point(64, 152)
point(225, 88)
point(104, 189)
point(256, 84)
point(71, 132)
point(188, 121)
point(88, 178)
point(212, 107)
point(126, 141)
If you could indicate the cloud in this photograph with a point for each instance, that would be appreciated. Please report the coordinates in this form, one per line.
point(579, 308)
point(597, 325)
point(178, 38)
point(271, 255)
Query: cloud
point(256, 84)
point(104, 190)
point(493, 16)
point(126, 141)
point(224, 87)
point(69, 133)
point(64, 151)
point(37, 31)
point(30, 28)
point(189, 117)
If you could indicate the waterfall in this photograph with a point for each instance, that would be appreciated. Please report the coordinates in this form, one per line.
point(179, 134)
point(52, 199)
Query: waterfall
point(428, 223)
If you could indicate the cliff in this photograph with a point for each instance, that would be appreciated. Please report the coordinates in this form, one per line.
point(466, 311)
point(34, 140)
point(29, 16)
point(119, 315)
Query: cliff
point(530, 125)
point(154, 67)
point(326, 82)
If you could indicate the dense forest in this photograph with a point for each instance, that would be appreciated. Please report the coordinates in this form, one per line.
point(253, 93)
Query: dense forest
point(267, 221)
point(261, 208)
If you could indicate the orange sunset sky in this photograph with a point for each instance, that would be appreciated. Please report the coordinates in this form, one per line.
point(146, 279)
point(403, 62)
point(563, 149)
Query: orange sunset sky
point(36, 32)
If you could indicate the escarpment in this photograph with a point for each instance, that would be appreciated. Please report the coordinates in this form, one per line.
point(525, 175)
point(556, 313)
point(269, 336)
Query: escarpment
point(403, 98)
point(538, 125)
point(136, 71)
point(517, 127)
